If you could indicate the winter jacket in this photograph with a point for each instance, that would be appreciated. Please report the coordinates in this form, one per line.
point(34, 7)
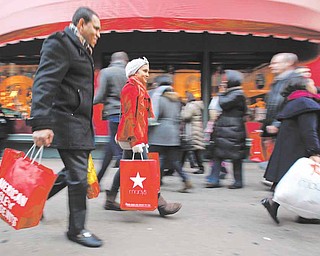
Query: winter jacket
point(229, 133)
point(62, 92)
point(111, 81)
point(167, 132)
point(192, 113)
point(274, 101)
point(298, 136)
point(136, 108)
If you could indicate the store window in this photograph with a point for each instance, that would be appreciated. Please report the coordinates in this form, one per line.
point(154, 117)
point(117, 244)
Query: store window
point(16, 94)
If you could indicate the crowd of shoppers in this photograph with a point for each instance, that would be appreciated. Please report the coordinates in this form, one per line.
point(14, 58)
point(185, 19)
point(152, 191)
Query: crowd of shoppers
point(138, 120)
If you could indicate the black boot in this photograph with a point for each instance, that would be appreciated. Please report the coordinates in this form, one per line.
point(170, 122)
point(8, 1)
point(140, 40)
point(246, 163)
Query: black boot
point(237, 173)
point(223, 173)
point(111, 204)
point(272, 208)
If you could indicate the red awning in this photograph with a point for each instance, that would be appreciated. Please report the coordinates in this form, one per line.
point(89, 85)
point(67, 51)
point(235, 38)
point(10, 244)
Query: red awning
point(296, 19)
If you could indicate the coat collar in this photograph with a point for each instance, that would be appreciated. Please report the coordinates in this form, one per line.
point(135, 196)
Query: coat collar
point(76, 41)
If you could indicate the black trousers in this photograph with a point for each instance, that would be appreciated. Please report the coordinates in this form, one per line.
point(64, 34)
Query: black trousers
point(74, 175)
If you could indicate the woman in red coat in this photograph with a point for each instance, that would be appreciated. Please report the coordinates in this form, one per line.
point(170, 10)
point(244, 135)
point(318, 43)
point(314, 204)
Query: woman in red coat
point(132, 134)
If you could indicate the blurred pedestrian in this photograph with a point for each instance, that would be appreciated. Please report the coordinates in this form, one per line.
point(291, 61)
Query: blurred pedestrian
point(229, 133)
point(111, 81)
point(298, 137)
point(192, 116)
point(165, 136)
point(282, 66)
point(61, 112)
point(132, 134)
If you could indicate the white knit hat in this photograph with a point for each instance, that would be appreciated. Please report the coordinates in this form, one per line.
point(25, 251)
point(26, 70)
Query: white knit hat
point(134, 65)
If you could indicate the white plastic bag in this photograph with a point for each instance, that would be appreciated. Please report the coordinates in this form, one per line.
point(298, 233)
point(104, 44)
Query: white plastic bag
point(299, 189)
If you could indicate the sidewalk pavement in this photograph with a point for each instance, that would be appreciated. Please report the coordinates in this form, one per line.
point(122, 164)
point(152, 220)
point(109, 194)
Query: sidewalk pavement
point(211, 222)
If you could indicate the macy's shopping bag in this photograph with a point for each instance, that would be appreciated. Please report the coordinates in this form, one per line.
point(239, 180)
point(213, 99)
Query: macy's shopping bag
point(139, 184)
point(24, 188)
point(299, 189)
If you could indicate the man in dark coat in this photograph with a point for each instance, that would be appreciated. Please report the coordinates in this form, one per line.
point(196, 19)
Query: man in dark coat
point(61, 112)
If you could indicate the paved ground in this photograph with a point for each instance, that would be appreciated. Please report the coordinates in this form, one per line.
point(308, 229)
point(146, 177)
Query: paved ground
point(211, 222)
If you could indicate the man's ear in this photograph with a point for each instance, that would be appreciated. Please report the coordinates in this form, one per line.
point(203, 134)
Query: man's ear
point(80, 24)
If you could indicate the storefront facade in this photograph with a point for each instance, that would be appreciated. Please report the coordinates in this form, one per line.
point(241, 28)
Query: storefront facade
point(192, 41)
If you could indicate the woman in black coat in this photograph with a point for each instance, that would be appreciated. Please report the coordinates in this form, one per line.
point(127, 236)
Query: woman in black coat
point(298, 137)
point(229, 133)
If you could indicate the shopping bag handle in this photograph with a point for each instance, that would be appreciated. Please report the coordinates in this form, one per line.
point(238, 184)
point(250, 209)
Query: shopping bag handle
point(38, 154)
point(140, 155)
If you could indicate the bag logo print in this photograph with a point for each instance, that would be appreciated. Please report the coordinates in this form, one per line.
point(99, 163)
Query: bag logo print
point(138, 181)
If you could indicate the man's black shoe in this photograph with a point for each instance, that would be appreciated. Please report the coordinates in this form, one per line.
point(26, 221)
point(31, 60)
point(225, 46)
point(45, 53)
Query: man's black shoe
point(85, 238)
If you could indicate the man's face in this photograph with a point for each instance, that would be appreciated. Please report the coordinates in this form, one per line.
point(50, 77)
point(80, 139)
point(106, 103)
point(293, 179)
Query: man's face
point(91, 30)
point(278, 65)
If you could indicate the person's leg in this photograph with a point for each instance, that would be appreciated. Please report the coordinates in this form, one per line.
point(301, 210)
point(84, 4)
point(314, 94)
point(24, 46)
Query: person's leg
point(191, 158)
point(213, 178)
point(237, 173)
point(59, 184)
point(111, 149)
point(199, 160)
point(76, 165)
point(111, 203)
point(173, 158)
point(183, 157)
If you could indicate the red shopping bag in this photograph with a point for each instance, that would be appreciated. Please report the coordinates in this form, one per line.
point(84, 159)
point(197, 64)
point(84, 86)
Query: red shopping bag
point(24, 188)
point(139, 184)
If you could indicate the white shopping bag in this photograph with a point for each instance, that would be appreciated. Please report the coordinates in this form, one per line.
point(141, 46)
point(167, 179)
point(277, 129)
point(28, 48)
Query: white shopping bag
point(299, 189)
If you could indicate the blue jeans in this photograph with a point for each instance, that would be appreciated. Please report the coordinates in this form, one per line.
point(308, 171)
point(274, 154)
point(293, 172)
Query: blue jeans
point(213, 177)
point(111, 148)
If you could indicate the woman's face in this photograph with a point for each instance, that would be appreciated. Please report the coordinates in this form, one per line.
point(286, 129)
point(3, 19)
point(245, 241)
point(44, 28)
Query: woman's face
point(143, 74)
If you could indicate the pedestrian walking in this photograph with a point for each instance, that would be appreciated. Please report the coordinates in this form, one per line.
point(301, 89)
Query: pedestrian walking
point(164, 137)
point(192, 116)
point(132, 134)
point(111, 81)
point(298, 137)
point(229, 134)
point(61, 112)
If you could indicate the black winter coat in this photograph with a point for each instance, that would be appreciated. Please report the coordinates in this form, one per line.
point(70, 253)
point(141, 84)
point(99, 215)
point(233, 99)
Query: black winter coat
point(298, 136)
point(229, 133)
point(62, 92)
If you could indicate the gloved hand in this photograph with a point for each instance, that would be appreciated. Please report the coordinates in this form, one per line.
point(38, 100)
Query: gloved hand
point(138, 148)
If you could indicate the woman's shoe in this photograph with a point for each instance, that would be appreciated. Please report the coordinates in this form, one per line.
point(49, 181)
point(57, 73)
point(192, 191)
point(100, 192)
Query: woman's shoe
point(187, 187)
point(213, 185)
point(271, 208)
point(302, 220)
point(235, 186)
